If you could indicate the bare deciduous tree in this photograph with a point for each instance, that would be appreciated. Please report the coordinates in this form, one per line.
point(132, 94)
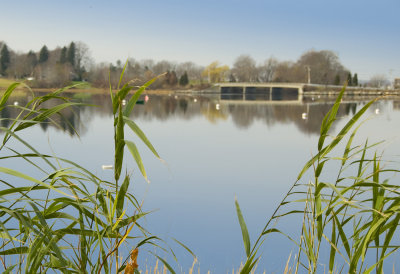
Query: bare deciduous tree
point(378, 81)
point(267, 70)
point(162, 67)
point(244, 69)
point(324, 66)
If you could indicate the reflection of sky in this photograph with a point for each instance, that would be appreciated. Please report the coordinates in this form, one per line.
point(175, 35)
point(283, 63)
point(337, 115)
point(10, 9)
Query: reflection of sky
point(207, 165)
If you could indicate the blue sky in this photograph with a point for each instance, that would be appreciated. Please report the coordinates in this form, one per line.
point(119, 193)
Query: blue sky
point(365, 34)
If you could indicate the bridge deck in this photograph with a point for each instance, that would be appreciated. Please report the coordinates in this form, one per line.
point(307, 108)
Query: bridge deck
point(245, 85)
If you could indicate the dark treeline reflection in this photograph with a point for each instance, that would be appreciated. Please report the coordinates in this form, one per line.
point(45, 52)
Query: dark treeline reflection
point(305, 113)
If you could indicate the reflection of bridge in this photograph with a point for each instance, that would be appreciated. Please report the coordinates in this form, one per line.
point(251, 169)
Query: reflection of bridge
point(259, 87)
point(261, 102)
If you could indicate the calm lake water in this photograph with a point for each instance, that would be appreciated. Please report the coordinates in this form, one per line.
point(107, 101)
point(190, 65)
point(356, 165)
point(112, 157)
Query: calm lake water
point(215, 148)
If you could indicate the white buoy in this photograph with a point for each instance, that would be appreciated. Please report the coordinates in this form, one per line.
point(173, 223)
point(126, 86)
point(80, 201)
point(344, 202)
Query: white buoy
point(304, 116)
point(123, 102)
point(195, 100)
point(377, 111)
point(217, 106)
point(15, 103)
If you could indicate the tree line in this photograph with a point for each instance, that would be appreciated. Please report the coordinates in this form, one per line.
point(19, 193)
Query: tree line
point(72, 62)
point(316, 67)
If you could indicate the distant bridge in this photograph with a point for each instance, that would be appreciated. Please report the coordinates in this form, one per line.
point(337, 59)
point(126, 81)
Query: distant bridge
point(245, 87)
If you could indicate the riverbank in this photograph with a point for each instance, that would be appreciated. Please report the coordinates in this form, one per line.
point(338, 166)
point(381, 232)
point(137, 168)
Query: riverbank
point(310, 89)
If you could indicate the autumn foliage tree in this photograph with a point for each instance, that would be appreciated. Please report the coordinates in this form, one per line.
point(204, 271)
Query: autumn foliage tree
point(215, 73)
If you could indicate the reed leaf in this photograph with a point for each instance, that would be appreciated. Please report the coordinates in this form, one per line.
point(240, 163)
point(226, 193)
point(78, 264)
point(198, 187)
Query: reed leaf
point(333, 248)
point(119, 145)
point(245, 233)
point(324, 151)
point(7, 94)
point(138, 159)
point(135, 97)
point(141, 135)
point(120, 199)
point(329, 118)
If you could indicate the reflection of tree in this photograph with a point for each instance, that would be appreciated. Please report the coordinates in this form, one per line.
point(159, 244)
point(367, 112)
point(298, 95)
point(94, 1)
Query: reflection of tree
point(241, 115)
point(68, 120)
point(213, 114)
point(183, 104)
point(187, 107)
point(5, 117)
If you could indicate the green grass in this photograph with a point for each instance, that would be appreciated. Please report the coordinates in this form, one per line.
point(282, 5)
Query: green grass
point(5, 83)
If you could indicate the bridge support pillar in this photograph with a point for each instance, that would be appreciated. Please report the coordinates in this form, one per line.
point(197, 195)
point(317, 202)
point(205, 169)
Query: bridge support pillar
point(270, 93)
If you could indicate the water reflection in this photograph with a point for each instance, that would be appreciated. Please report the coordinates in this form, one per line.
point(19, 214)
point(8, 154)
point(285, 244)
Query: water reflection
point(255, 151)
point(271, 109)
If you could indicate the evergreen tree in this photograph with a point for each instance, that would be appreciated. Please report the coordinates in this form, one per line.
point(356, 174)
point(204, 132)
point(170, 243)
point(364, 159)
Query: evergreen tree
point(355, 79)
point(31, 58)
point(184, 80)
point(71, 53)
point(349, 80)
point(337, 80)
point(63, 55)
point(43, 54)
point(31, 61)
point(4, 59)
point(171, 78)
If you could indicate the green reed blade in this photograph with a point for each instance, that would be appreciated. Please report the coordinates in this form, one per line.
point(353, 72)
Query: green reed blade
point(249, 265)
point(9, 269)
point(100, 197)
point(329, 119)
point(147, 240)
point(125, 222)
point(7, 94)
point(122, 74)
point(324, 151)
point(132, 102)
point(83, 245)
point(120, 199)
point(47, 238)
point(119, 146)
point(45, 115)
point(135, 153)
point(245, 233)
point(134, 127)
point(28, 146)
point(185, 247)
point(121, 94)
point(165, 263)
point(332, 253)
point(28, 178)
point(15, 251)
point(369, 270)
point(392, 227)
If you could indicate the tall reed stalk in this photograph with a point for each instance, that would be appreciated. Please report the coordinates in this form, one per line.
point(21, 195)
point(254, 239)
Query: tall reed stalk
point(69, 220)
point(354, 215)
